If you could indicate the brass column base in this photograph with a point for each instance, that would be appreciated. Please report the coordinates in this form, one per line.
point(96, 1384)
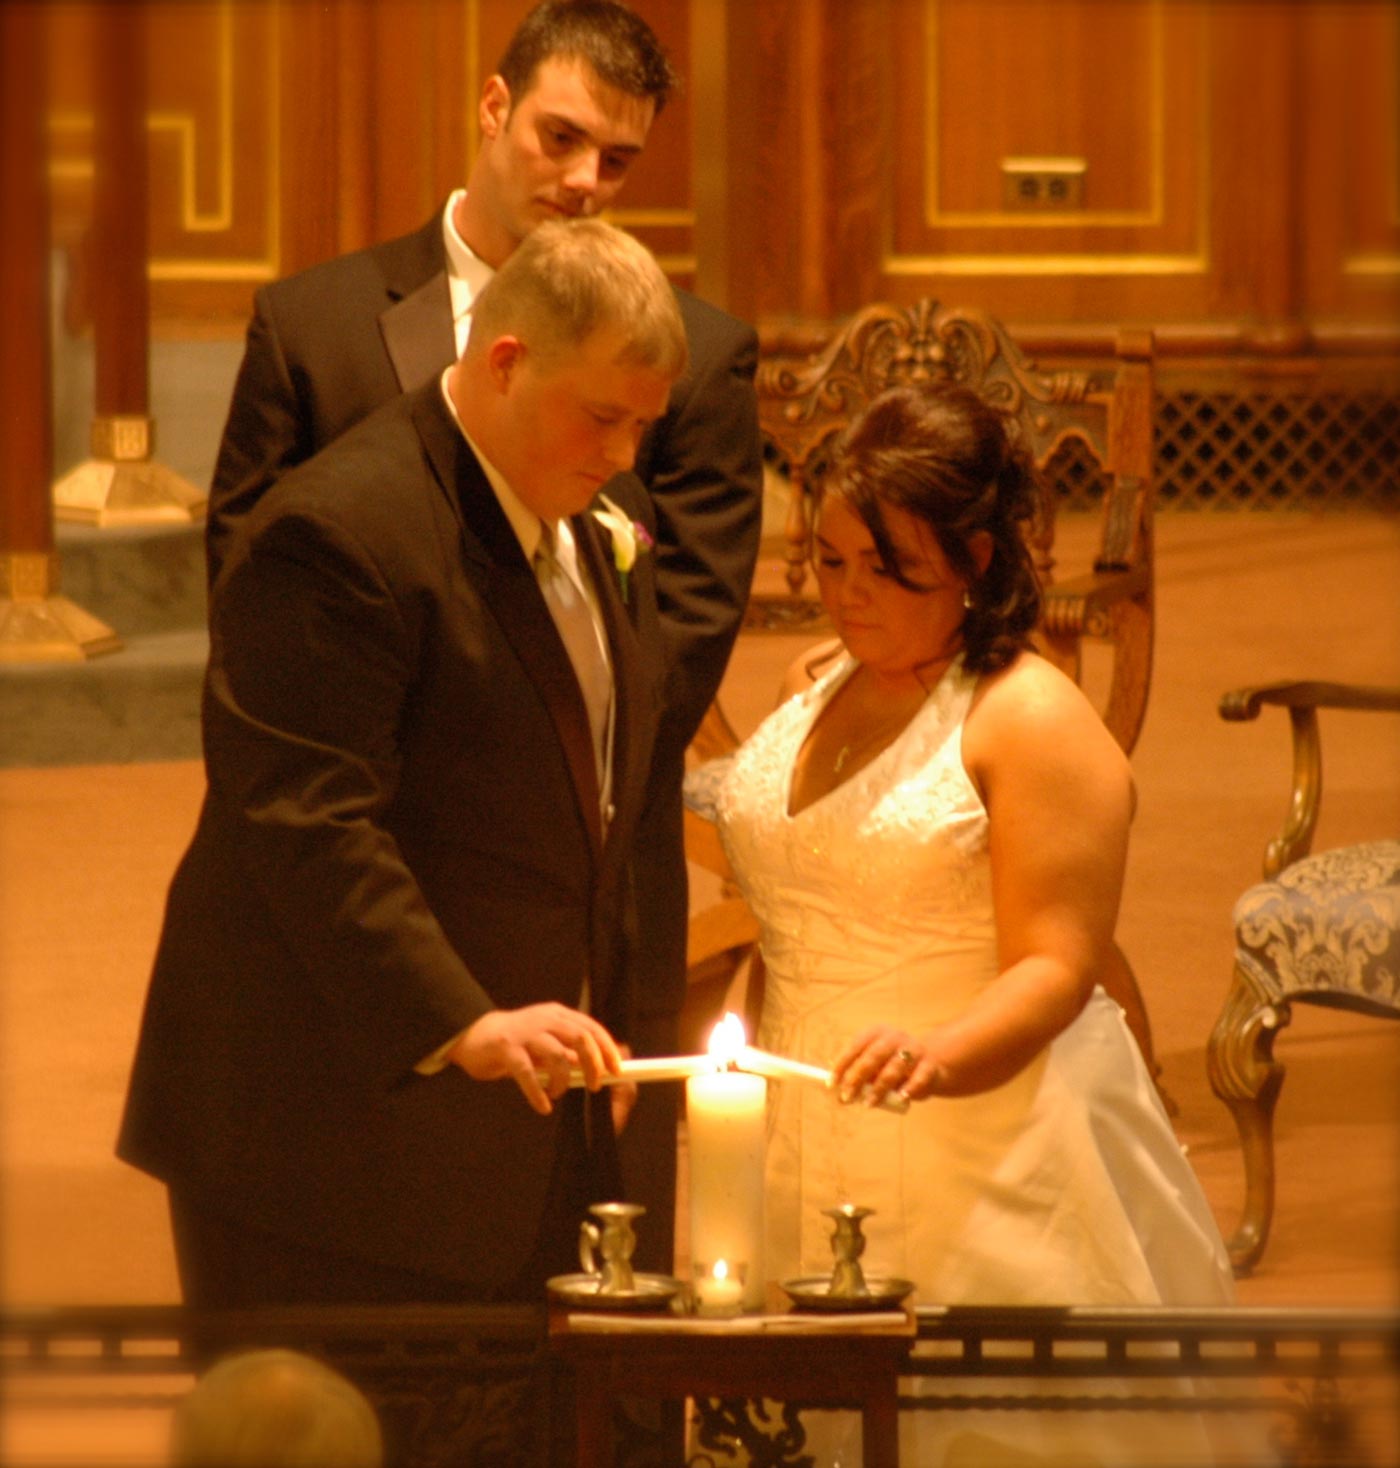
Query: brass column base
point(122, 485)
point(39, 626)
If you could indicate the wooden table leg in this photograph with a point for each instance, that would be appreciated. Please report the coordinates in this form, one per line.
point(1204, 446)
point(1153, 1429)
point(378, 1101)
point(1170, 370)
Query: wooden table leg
point(593, 1405)
point(879, 1426)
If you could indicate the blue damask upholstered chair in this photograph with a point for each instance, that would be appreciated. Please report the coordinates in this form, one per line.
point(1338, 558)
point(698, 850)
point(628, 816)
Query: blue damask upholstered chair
point(1320, 929)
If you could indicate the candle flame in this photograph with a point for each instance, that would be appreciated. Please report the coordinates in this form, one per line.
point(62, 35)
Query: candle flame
point(727, 1040)
point(721, 1269)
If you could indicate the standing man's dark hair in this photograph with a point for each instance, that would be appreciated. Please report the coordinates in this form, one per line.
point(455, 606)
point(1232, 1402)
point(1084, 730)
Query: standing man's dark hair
point(615, 42)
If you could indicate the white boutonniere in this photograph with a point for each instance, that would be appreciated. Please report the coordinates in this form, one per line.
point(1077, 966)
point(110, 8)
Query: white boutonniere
point(630, 538)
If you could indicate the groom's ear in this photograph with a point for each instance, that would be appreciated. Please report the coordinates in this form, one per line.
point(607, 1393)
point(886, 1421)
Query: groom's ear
point(503, 359)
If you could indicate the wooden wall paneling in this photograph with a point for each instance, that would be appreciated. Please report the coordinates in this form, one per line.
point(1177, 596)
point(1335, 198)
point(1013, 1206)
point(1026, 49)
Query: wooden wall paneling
point(659, 202)
point(1349, 208)
point(335, 93)
point(1122, 86)
point(213, 127)
point(211, 109)
point(413, 82)
point(1257, 159)
point(821, 153)
point(723, 89)
point(857, 135)
point(787, 159)
point(317, 207)
point(453, 42)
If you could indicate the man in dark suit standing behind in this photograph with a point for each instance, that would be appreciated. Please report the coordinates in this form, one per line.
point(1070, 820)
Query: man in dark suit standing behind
point(408, 879)
point(561, 120)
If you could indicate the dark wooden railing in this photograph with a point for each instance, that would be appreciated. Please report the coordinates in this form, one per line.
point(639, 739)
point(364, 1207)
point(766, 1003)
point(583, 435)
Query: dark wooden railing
point(1321, 1387)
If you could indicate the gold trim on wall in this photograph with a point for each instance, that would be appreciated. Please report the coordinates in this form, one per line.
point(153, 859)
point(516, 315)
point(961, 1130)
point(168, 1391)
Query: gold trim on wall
point(1070, 263)
point(655, 218)
point(1078, 264)
point(185, 127)
point(938, 218)
point(1372, 264)
point(193, 268)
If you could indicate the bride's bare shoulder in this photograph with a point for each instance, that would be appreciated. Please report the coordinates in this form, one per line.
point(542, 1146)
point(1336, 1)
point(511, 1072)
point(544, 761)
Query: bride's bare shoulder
point(1028, 703)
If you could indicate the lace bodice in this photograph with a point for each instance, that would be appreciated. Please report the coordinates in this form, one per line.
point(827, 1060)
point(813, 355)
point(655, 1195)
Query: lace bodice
point(887, 872)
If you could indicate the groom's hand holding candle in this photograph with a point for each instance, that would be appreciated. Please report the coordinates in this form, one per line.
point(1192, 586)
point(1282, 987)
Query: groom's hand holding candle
point(537, 1047)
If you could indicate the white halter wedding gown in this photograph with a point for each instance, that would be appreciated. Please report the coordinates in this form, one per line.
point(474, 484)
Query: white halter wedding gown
point(1064, 1186)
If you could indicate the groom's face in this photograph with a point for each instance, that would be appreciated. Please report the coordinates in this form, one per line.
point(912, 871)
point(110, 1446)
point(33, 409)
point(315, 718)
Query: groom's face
point(572, 421)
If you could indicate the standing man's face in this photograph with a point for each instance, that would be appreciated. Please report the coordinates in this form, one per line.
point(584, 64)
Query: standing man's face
point(561, 151)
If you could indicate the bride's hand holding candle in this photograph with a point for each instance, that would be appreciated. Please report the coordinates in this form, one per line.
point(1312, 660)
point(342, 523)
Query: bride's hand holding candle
point(884, 1065)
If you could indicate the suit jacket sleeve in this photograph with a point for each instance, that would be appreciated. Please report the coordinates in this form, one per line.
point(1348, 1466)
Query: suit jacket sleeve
point(311, 662)
point(267, 433)
point(703, 467)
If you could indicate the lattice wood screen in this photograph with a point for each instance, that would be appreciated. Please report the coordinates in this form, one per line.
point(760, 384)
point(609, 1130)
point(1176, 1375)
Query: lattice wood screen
point(1257, 450)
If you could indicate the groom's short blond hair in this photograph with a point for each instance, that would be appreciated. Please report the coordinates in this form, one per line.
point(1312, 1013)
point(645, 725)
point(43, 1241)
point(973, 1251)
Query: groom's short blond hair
point(568, 279)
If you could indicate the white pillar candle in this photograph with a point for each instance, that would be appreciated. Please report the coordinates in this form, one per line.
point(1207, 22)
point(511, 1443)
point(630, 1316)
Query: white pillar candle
point(726, 1130)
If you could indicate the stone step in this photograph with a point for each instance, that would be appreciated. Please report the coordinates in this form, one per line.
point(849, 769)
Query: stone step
point(141, 703)
point(139, 579)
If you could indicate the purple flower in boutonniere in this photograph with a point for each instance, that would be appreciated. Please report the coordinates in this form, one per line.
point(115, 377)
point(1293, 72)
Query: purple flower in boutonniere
point(629, 538)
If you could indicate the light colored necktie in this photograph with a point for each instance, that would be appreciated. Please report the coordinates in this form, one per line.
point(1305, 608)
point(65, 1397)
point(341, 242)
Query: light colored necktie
point(582, 640)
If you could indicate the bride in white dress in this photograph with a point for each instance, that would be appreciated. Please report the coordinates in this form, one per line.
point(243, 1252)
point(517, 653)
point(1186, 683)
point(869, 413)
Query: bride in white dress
point(933, 839)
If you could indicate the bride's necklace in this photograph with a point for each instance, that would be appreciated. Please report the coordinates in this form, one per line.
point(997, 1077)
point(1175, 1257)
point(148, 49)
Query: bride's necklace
point(860, 743)
point(879, 733)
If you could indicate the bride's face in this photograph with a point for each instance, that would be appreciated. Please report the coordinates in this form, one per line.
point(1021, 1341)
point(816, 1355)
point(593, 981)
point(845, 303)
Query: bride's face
point(893, 629)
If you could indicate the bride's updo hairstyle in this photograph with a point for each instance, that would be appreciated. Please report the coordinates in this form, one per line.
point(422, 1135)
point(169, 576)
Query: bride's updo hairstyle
point(941, 453)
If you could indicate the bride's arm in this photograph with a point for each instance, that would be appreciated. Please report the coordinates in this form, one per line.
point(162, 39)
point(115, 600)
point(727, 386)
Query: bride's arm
point(1059, 798)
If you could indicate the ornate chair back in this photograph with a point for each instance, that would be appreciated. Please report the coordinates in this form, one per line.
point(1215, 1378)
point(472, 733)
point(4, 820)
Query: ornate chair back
point(805, 404)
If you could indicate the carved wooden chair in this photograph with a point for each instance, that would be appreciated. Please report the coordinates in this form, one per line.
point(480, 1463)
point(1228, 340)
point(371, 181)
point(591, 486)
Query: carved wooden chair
point(805, 404)
point(1320, 929)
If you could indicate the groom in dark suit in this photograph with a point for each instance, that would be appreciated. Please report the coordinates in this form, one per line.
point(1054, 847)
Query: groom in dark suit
point(406, 900)
point(561, 121)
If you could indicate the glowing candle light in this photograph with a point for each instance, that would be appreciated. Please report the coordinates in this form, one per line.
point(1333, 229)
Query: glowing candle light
point(726, 1125)
point(719, 1291)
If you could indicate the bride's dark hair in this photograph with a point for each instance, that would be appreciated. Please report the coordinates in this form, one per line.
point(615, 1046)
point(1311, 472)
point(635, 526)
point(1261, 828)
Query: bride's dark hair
point(943, 454)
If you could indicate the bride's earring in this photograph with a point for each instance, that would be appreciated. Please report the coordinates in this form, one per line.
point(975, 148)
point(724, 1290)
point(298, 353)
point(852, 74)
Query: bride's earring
point(967, 599)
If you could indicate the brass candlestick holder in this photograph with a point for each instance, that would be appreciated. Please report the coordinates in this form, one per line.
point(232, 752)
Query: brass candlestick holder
point(608, 1281)
point(847, 1288)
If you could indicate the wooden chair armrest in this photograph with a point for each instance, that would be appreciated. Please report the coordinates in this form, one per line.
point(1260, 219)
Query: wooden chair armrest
point(1302, 700)
point(1080, 605)
point(1241, 704)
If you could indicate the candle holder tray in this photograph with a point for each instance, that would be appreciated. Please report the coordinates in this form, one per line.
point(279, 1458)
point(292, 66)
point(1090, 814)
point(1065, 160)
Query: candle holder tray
point(813, 1292)
point(649, 1292)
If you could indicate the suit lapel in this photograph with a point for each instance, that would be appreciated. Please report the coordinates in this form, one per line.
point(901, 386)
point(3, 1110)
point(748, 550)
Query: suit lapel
point(508, 586)
point(416, 327)
point(417, 332)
